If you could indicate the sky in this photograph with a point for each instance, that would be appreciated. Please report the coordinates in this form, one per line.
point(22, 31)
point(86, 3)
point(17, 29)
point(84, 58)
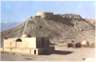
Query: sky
point(18, 11)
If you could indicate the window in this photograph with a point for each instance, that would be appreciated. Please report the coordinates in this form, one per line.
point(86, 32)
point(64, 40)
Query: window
point(18, 40)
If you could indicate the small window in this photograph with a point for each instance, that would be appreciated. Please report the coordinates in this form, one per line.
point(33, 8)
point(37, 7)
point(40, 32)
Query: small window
point(18, 40)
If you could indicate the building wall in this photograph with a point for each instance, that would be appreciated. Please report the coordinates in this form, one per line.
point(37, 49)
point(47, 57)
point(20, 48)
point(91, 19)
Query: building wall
point(27, 46)
point(44, 14)
point(26, 43)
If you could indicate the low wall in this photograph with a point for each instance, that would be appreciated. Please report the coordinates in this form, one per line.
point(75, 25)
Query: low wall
point(28, 51)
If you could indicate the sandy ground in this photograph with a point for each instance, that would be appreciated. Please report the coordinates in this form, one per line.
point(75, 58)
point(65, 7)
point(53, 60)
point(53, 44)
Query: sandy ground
point(60, 54)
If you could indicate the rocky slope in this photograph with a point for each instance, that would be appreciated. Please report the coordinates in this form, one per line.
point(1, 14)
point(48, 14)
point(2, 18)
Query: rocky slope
point(59, 28)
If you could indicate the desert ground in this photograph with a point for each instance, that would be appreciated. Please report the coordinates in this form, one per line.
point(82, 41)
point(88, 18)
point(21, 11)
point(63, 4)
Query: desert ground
point(60, 54)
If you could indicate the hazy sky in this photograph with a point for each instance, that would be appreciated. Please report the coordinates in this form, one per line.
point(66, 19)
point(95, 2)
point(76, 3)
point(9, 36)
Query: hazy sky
point(16, 11)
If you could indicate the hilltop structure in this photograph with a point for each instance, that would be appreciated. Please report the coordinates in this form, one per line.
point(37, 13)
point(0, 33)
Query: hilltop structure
point(44, 14)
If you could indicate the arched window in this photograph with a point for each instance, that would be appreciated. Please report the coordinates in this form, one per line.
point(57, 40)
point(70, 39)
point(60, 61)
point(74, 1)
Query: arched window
point(19, 40)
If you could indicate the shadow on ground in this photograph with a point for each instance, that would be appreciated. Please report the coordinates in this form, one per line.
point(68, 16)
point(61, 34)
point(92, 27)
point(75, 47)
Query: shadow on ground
point(62, 52)
point(59, 52)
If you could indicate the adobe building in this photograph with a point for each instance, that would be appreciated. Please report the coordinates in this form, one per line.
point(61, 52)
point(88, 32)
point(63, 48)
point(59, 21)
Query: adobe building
point(28, 45)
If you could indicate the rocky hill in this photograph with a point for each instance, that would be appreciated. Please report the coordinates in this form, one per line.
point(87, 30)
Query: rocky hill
point(59, 28)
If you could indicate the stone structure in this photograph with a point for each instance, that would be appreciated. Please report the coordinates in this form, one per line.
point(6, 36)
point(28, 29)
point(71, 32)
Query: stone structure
point(44, 14)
